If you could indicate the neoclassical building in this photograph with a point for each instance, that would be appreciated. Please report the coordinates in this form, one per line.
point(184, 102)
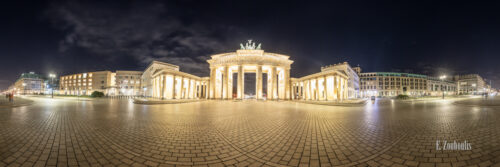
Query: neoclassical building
point(226, 81)
point(163, 80)
point(249, 59)
point(327, 85)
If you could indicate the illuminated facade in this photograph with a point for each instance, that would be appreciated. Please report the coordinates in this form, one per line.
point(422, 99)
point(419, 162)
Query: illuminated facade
point(226, 81)
point(386, 84)
point(86, 83)
point(165, 81)
point(249, 59)
point(353, 78)
point(392, 84)
point(436, 87)
point(326, 85)
point(329, 84)
point(28, 83)
point(127, 83)
point(471, 84)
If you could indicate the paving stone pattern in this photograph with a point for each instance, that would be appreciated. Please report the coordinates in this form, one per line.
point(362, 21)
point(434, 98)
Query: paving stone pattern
point(116, 132)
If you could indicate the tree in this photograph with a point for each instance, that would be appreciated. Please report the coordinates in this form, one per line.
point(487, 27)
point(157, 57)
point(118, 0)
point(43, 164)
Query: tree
point(97, 94)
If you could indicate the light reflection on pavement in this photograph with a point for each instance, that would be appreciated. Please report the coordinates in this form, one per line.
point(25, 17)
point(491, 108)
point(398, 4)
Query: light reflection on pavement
point(118, 132)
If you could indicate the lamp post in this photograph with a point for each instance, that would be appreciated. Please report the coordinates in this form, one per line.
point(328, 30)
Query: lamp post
point(24, 88)
point(442, 81)
point(52, 76)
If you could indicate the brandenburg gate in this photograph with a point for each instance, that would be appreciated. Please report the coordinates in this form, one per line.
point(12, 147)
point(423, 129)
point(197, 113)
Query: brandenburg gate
point(249, 59)
point(165, 81)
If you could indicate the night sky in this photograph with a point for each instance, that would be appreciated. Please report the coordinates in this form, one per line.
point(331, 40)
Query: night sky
point(434, 38)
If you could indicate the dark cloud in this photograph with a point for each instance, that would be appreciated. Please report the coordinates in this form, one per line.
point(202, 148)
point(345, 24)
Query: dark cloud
point(407, 36)
point(143, 31)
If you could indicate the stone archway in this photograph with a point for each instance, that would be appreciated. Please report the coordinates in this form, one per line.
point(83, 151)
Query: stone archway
point(249, 59)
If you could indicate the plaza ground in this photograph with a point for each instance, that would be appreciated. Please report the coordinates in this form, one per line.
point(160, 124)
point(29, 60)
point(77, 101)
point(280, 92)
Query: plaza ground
point(246, 133)
point(5, 103)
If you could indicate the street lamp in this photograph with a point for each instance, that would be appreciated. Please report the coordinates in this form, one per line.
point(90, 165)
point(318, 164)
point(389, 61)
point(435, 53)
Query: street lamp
point(24, 88)
point(52, 76)
point(442, 81)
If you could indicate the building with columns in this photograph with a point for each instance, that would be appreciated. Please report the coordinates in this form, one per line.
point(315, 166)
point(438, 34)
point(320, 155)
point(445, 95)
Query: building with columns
point(165, 81)
point(226, 81)
point(353, 78)
point(327, 85)
point(249, 59)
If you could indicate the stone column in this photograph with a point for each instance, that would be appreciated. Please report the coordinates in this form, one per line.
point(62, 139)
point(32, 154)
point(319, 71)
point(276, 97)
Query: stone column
point(218, 84)
point(186, 90)
point(258, 85)
point(306, 90)
point(287, 84)
point(325, 89)
point(225, 81)
point(337, 87)
point(173, 87)
point(211, 91)
point(164, 87)
point(301, 94)
point(198, 89)
point(155, 84)
point(195, 90)
point(230, 84)
point(157, 87)
point(182, 94)
point(189, 89)
point(269, 84)
point(275, 82)
point(201, 95)
point(240, 88)
point(153, 80)
point(205, 88)
point(346, 87)
point(310, 91)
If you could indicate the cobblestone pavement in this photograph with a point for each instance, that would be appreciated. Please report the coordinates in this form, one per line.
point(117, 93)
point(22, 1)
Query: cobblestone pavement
point(116, 132)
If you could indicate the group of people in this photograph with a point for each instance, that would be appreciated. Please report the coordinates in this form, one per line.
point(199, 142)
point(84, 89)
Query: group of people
point(10, 96)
